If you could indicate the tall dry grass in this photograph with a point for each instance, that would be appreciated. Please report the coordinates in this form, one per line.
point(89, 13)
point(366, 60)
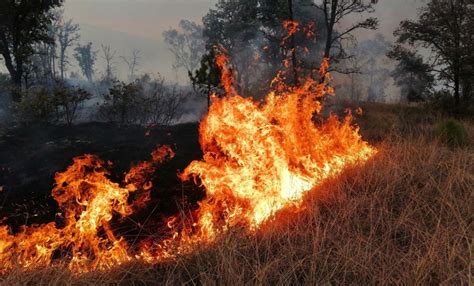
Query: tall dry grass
point(405, 217)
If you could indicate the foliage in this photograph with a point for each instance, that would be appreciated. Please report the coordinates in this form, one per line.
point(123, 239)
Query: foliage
point(445, 29)
point(38, 106)
point(68, 101)
point(442, 101)
point(86, 58)
point(453, 132)
point(412, 74)
point(145, 101)
point(252, 32)
point(60, 104)
point(121, 104)
point(207, 79)
point(23, 23)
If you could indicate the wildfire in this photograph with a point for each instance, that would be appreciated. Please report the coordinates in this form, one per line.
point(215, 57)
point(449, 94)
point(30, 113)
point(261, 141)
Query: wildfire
point(88, 201)
point(262, 157)
point(259, 158)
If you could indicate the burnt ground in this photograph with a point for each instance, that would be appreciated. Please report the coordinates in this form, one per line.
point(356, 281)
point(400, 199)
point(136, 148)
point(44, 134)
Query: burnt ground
point(30, 156)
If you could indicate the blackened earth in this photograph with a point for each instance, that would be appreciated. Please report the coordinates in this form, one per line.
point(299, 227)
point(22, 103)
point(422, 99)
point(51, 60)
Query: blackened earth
point(30, 156)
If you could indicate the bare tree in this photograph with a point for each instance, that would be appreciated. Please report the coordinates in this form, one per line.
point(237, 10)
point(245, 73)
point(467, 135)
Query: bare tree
point(187, 45)
point(132, 63)
point(334, 12)
point(108, 55)
point(67, 35)
point(43, 61)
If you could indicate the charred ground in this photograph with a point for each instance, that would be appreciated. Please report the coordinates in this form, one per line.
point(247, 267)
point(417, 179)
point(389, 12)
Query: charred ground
point(29, 156)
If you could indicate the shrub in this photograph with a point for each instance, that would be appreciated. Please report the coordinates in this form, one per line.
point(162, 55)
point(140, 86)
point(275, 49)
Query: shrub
point(121, 104)
point(68, 101)
point(161, 101)
point(453, 133)
point(145, 101)
point(61, 104)
point(37, 106)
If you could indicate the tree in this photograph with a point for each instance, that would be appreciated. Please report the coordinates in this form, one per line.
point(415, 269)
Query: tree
point(145, 101)
point(68, 101)
point(108, 55)
point(207, 79)
point(411, 74)
point(187, 45)
point(234, 26)
point(86, 58)
point(160, 102)
point(255, 33)
point(374, 65)
point(122, 103)
point(334, 12)
point(444, 28)
point(132, 64)
point(23, 23)
point(67, 35)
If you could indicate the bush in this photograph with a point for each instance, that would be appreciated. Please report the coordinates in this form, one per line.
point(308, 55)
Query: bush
point(41, 105)
point(146, 101)
point(121, 104)
point(453, 133)
point(37, 106)
point(68, 101)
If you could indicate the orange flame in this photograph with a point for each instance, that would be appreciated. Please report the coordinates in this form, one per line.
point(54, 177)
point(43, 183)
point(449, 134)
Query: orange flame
point(259, 158)
point(291, 27)
point(88, 200)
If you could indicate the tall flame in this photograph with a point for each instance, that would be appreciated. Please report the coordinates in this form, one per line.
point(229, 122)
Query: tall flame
point(259, 158)
point(262, 157)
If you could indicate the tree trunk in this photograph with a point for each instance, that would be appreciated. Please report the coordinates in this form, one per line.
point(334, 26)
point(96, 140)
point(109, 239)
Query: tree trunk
point(62, 63)
point(330, 22)
point(456, 90)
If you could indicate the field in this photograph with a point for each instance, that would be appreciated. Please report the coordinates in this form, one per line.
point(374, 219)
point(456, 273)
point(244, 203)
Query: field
point(405, 217)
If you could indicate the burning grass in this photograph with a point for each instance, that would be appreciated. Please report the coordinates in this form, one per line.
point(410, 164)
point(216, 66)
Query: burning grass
point(405, 217)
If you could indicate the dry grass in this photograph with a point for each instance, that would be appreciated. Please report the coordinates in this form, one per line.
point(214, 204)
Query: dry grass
point(406, 217)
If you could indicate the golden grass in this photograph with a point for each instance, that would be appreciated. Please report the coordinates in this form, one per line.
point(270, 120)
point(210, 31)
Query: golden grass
point(405, 217)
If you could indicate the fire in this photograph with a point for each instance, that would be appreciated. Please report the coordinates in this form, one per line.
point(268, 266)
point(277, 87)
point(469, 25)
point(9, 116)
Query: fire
point(259, 158)
point(262, 157)
point(88, 201)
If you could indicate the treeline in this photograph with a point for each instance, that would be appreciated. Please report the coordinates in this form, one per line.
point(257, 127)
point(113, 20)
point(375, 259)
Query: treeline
point(40, 46)
point(432, 59)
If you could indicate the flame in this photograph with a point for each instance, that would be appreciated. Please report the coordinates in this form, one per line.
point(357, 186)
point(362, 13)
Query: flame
point(291, 27)
point(259, 158)
point(262, 157)
point(88, 201)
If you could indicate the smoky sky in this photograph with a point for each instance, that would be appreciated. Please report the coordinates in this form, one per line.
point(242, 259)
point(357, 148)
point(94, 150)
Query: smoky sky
point(138, 24)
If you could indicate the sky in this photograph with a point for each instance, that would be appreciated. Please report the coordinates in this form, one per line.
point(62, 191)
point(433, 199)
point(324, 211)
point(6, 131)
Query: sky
point(126, 25)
